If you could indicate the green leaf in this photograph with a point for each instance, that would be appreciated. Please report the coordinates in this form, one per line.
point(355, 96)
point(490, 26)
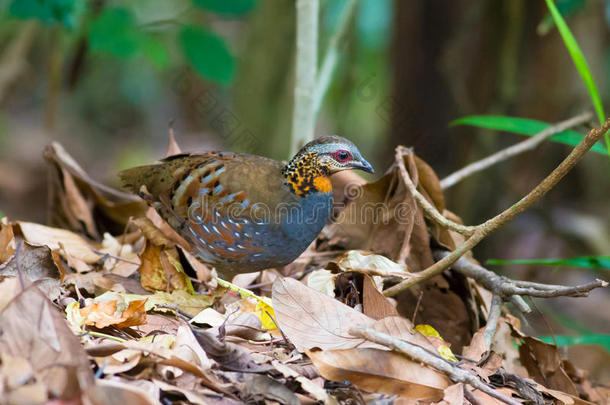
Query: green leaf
point(589, 262)
point(589, 339)
point(566, 8)
point(50, 12)
point(581, 65)
point(115, 31)
point(208, 54)
point(524, 126)
point(227, 7)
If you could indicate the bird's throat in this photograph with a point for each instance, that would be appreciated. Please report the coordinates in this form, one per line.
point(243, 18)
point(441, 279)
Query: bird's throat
point(305, 176)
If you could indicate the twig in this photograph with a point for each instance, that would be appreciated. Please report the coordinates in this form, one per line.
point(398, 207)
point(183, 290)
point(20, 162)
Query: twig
point(420, 355)
point(516, 149)
point(505, 287)
point(421, 295)
point(484, 229)
point(331, 57)
point(115, 257)
point(428, 208)
point(303, 116)
point(492, 320)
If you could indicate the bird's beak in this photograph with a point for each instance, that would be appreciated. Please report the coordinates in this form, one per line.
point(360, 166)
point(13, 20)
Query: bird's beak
point(363, 165)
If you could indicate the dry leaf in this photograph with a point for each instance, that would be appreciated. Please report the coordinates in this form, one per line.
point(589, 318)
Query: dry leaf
point(160, 270)
point(375, 265)
point(105, 313)
point(33, 328)
point(383, 371)
point(322, 281)
point(374, 303)
point(79, 203)
point(117, 392)
point(7, 240)
point(309, 386)
point(69, 244)
point(312, 319)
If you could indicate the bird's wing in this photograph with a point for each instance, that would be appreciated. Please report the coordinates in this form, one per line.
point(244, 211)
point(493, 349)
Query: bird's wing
point(216, 199)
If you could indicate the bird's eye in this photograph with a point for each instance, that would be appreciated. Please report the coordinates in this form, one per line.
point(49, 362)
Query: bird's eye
point(342, 155)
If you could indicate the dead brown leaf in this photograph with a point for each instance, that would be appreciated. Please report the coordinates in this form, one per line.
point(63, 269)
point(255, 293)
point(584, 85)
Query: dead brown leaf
point(34, 329)
point(36, 262)
point(374, 303)
point(545, 366)
point(7, 240)
point(312, 319)
point(69, 244)
point(161, 270)
point(79, 203)
point(382, 371)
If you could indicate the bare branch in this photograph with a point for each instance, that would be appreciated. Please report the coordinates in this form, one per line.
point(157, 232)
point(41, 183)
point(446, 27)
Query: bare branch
point(484, 229)
point(428, 208)
point(516, 149)
point(492, 320)
point(506, 288)
point(420, 355)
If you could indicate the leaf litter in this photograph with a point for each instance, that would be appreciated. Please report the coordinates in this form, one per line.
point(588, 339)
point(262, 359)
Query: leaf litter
point(106, 304)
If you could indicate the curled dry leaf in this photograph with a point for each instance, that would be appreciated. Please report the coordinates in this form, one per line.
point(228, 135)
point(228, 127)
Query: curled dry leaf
point(105, 313)
point(162, 271)
point(69, 244)
point(322, 281)
point(79, 203)
point(379, 370)
point(36, 262)
point(307, 385)
point(257, 388)
point(375, 265)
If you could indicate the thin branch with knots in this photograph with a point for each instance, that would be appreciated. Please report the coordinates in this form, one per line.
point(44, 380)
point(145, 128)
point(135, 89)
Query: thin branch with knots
point(516, 149)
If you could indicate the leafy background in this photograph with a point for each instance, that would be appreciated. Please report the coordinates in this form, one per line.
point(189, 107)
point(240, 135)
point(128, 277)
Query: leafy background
point(106, 78)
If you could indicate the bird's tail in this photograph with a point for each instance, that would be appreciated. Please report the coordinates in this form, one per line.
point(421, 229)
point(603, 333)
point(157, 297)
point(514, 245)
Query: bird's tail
point(136, 177)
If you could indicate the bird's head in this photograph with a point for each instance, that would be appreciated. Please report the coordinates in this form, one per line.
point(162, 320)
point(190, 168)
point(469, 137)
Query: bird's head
point(335, 154)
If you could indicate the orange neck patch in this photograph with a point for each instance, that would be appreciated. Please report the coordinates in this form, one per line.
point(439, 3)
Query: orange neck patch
point(323, 184)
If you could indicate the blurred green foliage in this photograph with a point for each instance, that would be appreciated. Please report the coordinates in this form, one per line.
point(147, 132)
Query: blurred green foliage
point(524, 126)
point(216, 62)
point(116, 30)
point(589, 262)
point(588, 339)
point(232, 7)
point(50, 12)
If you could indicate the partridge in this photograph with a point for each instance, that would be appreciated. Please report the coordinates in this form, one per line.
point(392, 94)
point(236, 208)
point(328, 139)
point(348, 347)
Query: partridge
point(244, 213)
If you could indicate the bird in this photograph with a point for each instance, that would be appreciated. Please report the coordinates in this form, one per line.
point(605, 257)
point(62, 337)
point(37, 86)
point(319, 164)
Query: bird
point(244, 213)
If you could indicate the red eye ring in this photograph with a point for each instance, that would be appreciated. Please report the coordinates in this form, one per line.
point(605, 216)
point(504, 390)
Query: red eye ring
point(342, 155)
